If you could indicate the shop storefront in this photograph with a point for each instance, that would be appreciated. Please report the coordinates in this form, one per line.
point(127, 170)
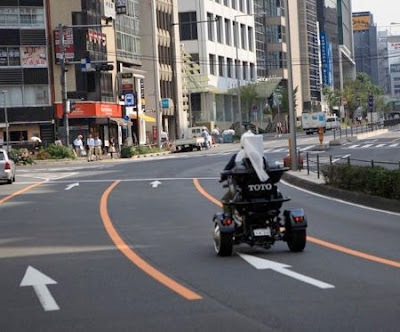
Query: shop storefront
point(91, 118)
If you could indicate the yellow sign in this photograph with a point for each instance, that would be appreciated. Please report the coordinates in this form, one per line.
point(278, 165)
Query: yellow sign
point(361, 23)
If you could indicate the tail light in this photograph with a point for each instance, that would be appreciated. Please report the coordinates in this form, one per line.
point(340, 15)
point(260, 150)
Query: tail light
point(298, 219)
point(227, 222)
point(8, 165)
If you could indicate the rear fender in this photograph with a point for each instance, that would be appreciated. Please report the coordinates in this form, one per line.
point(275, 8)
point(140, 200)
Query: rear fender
point(218, 220)
point(295, 219)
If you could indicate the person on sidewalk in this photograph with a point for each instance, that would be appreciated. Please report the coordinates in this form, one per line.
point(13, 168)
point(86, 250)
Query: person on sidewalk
point(90, 145)
point(78, 145)
point(112, 147)
point(98, 144)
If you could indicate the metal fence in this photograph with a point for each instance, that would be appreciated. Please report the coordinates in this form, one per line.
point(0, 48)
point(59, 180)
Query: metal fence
point(315, 162)
point(357, 130)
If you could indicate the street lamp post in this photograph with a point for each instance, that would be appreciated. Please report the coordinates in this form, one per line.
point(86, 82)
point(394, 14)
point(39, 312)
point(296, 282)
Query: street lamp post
point(292, 111)
point(4, 92)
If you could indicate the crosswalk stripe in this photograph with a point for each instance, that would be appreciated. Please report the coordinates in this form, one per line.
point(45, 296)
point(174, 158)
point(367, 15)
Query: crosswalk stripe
point(307, 148)
point(354, 146)
point(394, 145)
point(380, 145)
point(366, 146)
point(280, 150)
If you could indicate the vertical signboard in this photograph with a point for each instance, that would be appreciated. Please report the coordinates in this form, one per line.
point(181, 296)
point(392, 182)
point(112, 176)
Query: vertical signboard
point(326, 58)
point(68, 44)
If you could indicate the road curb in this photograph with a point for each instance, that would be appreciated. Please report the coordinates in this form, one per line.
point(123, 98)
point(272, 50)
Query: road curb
point(147, 155)
point(345, 195)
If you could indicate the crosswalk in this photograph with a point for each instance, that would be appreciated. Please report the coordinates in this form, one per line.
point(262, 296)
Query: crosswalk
point(372, 145)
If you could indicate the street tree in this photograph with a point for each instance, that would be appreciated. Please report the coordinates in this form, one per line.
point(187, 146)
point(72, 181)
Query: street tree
point(249, 98)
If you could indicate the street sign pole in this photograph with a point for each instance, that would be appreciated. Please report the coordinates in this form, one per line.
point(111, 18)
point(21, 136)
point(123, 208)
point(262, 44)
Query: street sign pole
point(4, 92)
point(64, 96)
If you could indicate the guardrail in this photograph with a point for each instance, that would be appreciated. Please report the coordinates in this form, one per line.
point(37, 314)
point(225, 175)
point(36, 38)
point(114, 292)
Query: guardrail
point(315, 163)
point(357, 130)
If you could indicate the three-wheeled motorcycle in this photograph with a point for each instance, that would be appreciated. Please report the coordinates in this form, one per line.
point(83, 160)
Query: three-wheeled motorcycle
point(254, 215)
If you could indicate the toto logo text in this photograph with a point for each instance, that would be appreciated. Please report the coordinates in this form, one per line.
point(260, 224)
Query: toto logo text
point(260, 187)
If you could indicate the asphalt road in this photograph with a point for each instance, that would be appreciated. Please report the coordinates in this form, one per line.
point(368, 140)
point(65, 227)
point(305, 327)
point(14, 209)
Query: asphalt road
point(126, 253)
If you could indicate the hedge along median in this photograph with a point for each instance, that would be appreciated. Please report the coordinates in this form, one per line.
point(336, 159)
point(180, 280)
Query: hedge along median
point(375, 181)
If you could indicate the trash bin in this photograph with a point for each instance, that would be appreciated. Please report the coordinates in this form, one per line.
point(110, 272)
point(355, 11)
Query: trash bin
point(228, 138)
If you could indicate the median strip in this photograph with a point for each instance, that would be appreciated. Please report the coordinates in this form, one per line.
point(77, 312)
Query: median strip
point(134, 257)
point(314, 240)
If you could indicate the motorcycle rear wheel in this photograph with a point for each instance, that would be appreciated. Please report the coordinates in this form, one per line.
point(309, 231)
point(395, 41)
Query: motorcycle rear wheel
point(223, 242)
point(297, 240)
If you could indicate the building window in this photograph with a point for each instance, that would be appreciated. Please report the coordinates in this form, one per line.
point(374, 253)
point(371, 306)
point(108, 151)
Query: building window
point(276, 34)
point(248, 7)
point(210, 26)
point(31, 16)
point(228, 32)
point(234, 4)
point(226, 3)
point(243, 36)
point(245, 76)
point(276, 60)
point(237, 69)
point(18, 136)
point(252, 72)
point(9, 16)
point(14, 95)
point(36, 95)
point(212, 64)
point(221, 65)
point(10, 56)
point(188, 26)
point(241, 5)
point(235, 26)
point(250, 38)
point(219, 29)
point(229, 67)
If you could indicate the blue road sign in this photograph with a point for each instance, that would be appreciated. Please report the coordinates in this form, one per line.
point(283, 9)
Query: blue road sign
point(130, 100)
point(165, 103)
point(126, 118)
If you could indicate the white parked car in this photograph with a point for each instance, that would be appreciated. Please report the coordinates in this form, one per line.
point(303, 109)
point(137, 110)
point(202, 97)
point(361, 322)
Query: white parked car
point(7, 167)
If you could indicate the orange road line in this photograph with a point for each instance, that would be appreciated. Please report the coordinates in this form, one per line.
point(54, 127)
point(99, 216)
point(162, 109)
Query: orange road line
point(134, 257)
point(326, 244)
point(19, 192)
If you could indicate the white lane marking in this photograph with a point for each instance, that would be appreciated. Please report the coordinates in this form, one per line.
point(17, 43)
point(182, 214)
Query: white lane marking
point(72, 185)
point(366, 146)
point(340, 158)
point(394, 145)
point(280, 150)
point(353, 146)
point(307, 148)
point(265, 264)
point(380, 145)
point(339, 200)
point(155, 184)
point(39, 282)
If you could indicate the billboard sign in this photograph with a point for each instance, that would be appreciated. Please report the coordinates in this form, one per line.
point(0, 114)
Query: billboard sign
point(361, 23)
point(33, 56)
point(68, 44)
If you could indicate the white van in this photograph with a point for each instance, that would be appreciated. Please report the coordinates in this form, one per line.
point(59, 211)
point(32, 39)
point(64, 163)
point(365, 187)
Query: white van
point(332, 123)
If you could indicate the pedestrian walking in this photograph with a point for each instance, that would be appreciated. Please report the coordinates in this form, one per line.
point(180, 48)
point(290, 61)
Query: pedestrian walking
point(90, 147)
point(112, 147)
point(78, 145)
point(279, 128)
point(98, 147)
point(206, 137)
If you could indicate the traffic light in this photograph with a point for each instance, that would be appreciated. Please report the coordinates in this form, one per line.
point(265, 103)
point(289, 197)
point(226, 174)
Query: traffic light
point(371, 102)
point(104, 67)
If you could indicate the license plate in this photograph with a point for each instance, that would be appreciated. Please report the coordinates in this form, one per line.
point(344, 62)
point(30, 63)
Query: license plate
point(262, 232)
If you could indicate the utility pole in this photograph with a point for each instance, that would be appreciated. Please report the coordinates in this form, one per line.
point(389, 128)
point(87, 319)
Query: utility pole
point(292, 111)
point(4, 92)
point(64, 96)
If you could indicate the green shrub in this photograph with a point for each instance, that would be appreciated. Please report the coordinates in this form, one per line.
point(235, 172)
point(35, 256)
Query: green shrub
point(127, 152)
point(59, 152)
point(21, 156)
point(376, 181)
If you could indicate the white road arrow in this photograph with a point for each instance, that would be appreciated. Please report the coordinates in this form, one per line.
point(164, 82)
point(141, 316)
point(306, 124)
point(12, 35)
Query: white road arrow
point(72, 185)
point(265, 264)
point(39, 282)
point(155, 184)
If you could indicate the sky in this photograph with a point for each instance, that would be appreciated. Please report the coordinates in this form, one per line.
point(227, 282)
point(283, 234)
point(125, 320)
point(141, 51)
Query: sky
point(384, 11)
